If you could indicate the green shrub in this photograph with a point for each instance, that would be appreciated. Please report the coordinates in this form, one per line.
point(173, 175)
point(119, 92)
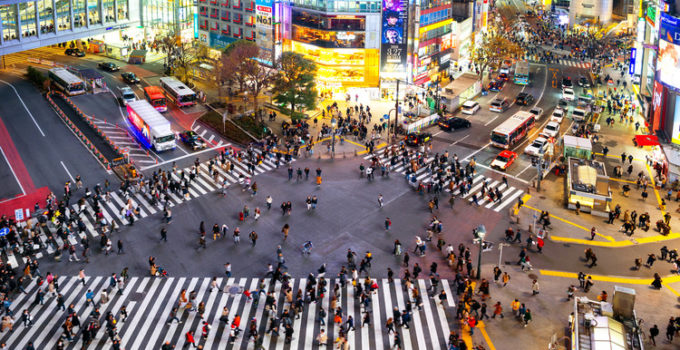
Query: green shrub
point(36, 76)
point(228, 130)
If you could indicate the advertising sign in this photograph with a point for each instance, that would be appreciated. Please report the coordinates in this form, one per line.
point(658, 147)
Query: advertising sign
point(631, 65)
point(265, 33)
point(657, 104)
point(675, 131)
point(668, 64)
point(394, 35)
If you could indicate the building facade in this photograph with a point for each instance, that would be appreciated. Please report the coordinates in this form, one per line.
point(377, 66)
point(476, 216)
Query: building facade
point(30, 24)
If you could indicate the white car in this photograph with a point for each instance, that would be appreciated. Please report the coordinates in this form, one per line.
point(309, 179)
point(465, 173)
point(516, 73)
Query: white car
point(126, 95)
point(536, 148)
point(470, 107)
point(557, 115)
point(568, 94)
point(537, 112)
point(552, 129)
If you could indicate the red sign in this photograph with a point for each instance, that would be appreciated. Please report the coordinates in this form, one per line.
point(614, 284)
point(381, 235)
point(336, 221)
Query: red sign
point(264, 9)
point(657, 105)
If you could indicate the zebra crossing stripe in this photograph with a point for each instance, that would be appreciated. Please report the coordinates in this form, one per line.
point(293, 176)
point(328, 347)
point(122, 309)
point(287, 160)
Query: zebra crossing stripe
point(508, 201)
point(408, 344)
point(434, 339)
point(130, 307)
point(375, 308)
point(216, 320)
point(298, 321)
point(140, 312)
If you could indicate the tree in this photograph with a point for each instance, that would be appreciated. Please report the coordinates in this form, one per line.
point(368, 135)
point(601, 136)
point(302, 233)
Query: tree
point(294, 84)
point(493, 50)
point(179, 54)
point(240, 67)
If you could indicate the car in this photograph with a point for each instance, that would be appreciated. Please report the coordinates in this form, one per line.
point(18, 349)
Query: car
point(453, 123)
point(524, 99)
point(552, 129)
point(499, 105)
point(192, 139)
point(127, 96)
point(470, 107)
point(504, 159)
point(583, 82)
point(497, 85)
point(536, 148)
point(557, 115)
point(503, 76)
point(579, 114)
point(129, 77)
point(75, 52)
point(568, 94)
point(566, 82)
point(537, 112)
point(108, 66)
point(418, 139)
point(562, 103)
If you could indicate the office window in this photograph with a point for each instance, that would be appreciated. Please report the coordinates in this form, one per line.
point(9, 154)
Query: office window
point(63, 14)
point(8, 15)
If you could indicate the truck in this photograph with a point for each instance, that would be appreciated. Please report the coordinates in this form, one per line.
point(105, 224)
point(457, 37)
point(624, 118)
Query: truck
point(150, 127)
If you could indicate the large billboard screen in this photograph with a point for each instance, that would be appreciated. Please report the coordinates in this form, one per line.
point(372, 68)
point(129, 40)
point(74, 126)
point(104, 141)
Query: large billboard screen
point(668, 64)
point(394, 35)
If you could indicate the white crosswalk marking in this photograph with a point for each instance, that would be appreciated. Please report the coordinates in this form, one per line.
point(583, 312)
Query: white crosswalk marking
point(149, 300)
point(423, 175)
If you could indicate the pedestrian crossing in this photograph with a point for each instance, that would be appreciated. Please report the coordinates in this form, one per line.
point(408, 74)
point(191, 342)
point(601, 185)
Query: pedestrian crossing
point(117, 204)
point(508, 193)
point(121, 138)
point(149, 301)
point(209, 136)
point(575, 63)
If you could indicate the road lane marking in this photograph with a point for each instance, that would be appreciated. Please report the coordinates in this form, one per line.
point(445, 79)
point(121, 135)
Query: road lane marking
point(26, 108)
point(68, 172)
point(12, 169)
point(475, 152)
point(455, 142)
point(492, 119)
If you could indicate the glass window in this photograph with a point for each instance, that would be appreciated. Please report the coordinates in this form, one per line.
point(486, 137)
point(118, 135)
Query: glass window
point(93, 12)
point(64, 14)
point(122, 9)
point(27, 13)
point(107, 7)
point(78, 13)
point(8, 15)
point(46, 20)
point(329, 39)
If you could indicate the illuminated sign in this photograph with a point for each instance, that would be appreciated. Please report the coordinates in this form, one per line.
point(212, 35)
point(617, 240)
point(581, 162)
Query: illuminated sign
point(631, 65)
point(651, 14)
point(447, 42)
point(668, 64)
point(394, 35)
point(657, 104)
point(346, 36)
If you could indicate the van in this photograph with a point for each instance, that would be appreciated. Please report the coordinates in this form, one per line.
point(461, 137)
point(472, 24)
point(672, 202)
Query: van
point(470, 107)
point(579, 114)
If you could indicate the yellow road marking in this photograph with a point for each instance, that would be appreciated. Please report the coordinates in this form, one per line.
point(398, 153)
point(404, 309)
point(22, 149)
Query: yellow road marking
point(354, 143)
point(622, 180)
point(618, 157)
point(677, 294)
point(375, 148)
point(482, 329)
point(609, 238)
point(613, 279)
point(656, 192)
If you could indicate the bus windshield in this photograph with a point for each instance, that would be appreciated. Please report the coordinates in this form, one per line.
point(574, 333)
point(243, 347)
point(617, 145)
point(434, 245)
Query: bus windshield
point(499, 138)
point(166, 138)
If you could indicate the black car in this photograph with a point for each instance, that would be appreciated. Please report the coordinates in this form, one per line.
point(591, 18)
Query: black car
point(418, 139)
point(524, 99)
point(566, 83)
point(583, 82)
point(497, 85)
point(129, 78)
point(108, 66)
point(193, 140)
point(75, 52)
point(454, 123)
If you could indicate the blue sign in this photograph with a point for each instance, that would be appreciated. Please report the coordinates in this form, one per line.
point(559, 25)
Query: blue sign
point(669, 29)
point(4, 231)
point(386, 117)
point(631, 65)
point(668, 58)
point(219, 41)
point(195, 25)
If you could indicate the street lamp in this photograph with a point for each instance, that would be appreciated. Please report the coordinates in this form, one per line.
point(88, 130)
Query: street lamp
point(480, 231)
point(334, 124)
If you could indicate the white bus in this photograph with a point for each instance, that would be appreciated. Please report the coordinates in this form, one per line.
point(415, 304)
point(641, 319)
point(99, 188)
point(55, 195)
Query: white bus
point(149, 126)
point(179, 93)
point(67, 81)
point(513, 130)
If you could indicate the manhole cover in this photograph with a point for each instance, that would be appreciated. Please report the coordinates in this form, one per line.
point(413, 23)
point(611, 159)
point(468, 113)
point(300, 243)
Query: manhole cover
point(137, 296)
point(233, 290)
point(533, 276)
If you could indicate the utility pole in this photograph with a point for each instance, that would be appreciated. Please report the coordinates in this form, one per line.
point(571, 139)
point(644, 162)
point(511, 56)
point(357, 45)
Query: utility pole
point(396, 111)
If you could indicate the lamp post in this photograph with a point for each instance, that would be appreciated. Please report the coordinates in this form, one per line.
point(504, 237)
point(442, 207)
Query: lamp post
point(480, 231)
point(334, 124)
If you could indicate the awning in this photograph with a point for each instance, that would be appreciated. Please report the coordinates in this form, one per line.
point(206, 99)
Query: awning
point(646, 140)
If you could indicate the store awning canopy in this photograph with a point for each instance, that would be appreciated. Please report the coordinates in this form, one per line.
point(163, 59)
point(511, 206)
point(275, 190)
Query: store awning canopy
point(646, 140)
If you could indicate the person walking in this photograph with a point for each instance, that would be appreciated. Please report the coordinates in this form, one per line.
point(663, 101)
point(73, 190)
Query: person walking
point(380, 200)
point(534, 288)
point(164, 235)
point(253, 237)
point(653, 332)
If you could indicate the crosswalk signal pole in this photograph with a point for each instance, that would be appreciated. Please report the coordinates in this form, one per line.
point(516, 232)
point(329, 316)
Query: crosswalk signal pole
point(396, 111)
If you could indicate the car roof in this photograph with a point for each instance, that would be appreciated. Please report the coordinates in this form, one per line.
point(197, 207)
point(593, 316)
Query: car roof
point(507, 153)
point(125, 89)
point(470, 103)
point(541, 139)
point(553, 123)
point(522, 94)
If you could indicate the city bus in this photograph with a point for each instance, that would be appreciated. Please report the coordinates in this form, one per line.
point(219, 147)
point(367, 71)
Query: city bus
point(513, 130)
point(521, 73)
point(150, 127)
point(156, 98)
point(67, 81)
point(179, 93)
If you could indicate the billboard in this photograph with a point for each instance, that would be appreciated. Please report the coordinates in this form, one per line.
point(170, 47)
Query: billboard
point(657, 105)
point(668, 64)
point(394, 35)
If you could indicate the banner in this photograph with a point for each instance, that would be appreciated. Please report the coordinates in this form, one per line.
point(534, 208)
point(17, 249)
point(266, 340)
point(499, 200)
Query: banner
point(394, 36)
